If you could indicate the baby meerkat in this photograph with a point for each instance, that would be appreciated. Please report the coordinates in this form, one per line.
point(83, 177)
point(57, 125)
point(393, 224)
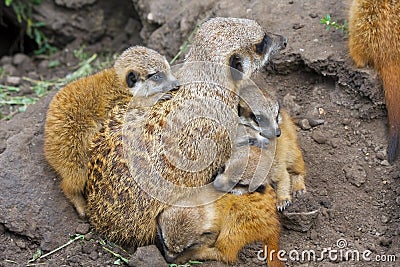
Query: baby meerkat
point(265, 121)
point(78, 110)
point(220, 229)
point(374, 38)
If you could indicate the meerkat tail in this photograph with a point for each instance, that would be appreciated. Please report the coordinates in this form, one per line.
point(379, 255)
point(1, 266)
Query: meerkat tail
point(391, 82)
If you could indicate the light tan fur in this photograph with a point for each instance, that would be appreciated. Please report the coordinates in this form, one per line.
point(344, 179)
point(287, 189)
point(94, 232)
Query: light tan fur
point(220, 229)
point(257, 165)
point(132, 159)
point(78, 110)
point(374, 38)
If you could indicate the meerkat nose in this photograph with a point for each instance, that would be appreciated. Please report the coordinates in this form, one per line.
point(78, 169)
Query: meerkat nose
point(175, 84)
point(278, 132)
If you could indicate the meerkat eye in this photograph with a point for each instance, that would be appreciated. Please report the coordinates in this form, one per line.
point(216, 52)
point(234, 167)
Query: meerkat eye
point(131, 79)
point(235, 62)
point(156, 77)
point(254, 118)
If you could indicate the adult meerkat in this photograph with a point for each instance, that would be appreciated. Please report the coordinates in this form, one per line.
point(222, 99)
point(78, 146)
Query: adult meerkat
point(78, 110)
point(134, 166)
point(220, 229)
point(374, 38)
point(284, 166)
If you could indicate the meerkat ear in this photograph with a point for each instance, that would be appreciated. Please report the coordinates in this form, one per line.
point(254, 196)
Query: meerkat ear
point(235, 62)
point(131, 78)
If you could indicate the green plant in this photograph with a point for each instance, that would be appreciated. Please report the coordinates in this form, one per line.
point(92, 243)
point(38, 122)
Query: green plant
point(40, 88)
point(185, 45)
point(327, 21)
point(23, 12)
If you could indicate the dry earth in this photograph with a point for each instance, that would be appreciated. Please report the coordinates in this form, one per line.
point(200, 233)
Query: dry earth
point(353, 193)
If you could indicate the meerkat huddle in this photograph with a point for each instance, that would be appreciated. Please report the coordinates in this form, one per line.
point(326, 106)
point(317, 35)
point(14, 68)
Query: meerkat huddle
point(91, 120)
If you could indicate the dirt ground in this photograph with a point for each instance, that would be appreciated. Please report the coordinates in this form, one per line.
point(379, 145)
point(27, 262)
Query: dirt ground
point(353, 200)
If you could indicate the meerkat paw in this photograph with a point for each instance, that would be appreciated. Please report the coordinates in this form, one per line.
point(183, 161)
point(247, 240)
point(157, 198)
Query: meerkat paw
point(165, 97)
point(298, 186)
point(282, 204)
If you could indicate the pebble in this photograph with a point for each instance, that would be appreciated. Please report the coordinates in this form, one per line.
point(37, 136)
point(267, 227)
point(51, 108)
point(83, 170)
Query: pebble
point(385, 163)
point(147, 256)
point(297, 26)
point(383, 241)
point(13, 80)
point(20, 58)
point(83, 228)
point(313, 15)
point(9, 69)
point(304, 124)
point(299, 221)
point(319, 137)
point(355, 174)
point(6, 60)
point(398, 200)
point(21, 244)
point(346, 121)
point(385, 219)
point(380, 155)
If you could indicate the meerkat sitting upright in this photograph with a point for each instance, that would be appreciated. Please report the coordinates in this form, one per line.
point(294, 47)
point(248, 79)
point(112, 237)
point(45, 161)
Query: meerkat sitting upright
point(221, 228)
point(78, 110)
point(374, 38)
point(284, 166)
point(144, 162)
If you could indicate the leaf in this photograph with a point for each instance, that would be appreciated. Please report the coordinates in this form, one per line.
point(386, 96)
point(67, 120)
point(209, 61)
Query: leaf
point(37, 254)
point(117, 262)
point(54, 63)
point(8, 2)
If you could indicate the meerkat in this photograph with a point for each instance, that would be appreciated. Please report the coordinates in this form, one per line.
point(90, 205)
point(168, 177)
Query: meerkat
point(78, 110)
point(374, 38)
point(283, 165)
point(220, 229)
point(145, 159)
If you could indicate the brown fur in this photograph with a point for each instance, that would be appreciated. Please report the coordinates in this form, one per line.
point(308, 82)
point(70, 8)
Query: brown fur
point(139, 157)
point(78, 110)
point(219, 230)
point(374, 38)
point(262, 164)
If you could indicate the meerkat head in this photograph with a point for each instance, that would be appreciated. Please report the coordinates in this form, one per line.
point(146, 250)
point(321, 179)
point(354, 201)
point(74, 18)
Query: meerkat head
point(185, 231)
point(144, 71)
point(240, 43)
point(260, 112)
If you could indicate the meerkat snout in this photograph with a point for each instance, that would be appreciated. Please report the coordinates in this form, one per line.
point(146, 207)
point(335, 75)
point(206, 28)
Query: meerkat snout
point(270, 45)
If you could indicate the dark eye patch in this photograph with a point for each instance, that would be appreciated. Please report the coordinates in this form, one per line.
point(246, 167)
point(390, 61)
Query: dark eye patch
point(131, 78)
point(235, 62)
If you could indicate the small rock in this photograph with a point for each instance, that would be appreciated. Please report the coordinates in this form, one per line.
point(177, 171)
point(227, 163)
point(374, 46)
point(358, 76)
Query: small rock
point(147, 256)
point(334, 142)
point(13, 80)
point(319, 137)
point(326, 203)
point(385, 163)
point(383, 241)
point(355, 174)
point(397, 201)
point(313, 15)
point(297, 26)
point(83, 228)
point(304, 124)
point(9, 69)
point(299, 221)
point(346, 121)
point(385, 219)
point(381, 155)
point(6, 60)
point(74, 3)
point(2, 229)
point(313, 235)
point(20, 58)
point(94, 255)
